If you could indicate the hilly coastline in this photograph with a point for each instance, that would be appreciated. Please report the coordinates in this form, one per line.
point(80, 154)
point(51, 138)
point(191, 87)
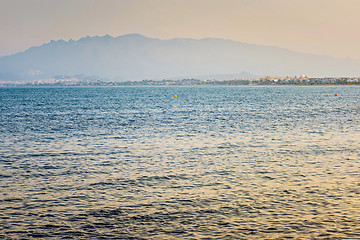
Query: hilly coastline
point(134, 57)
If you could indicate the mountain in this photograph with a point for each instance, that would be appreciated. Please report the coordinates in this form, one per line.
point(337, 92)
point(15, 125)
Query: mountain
point(136, 57)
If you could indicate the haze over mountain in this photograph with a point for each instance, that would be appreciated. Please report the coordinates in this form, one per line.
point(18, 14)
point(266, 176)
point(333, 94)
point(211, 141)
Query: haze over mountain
point(136, 57)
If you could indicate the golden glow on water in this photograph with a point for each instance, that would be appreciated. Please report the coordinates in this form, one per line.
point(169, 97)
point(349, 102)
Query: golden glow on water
point(204, 187)
point(269, 182)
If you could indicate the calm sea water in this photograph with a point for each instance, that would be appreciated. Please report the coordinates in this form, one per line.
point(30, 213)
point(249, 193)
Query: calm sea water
point(213, 163)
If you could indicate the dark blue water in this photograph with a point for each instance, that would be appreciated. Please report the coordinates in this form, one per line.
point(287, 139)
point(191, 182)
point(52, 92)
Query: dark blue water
point(213, 163)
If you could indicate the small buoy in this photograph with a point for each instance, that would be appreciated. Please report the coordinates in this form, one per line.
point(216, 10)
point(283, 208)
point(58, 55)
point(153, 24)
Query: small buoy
point(175, 96)
point(336, 94)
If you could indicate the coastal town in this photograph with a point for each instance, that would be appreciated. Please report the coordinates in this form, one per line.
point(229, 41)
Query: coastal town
point(82, 80)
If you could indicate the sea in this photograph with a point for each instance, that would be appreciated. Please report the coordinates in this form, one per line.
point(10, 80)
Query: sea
point(243, 162)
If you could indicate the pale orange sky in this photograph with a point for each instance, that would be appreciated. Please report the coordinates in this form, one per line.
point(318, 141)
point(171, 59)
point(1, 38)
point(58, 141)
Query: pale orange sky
point(326, 27)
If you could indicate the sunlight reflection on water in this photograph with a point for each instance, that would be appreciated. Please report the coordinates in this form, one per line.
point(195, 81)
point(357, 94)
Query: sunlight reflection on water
point(216, 162)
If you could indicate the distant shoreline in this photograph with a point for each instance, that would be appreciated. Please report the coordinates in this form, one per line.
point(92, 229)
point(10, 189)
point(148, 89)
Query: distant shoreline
point(268, 81)
point(202, 85)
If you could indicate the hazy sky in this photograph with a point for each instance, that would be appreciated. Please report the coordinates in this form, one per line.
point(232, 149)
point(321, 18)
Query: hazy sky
point(328, 27)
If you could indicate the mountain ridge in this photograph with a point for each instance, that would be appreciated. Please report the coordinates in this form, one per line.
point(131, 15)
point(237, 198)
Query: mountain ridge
point(137, 57)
